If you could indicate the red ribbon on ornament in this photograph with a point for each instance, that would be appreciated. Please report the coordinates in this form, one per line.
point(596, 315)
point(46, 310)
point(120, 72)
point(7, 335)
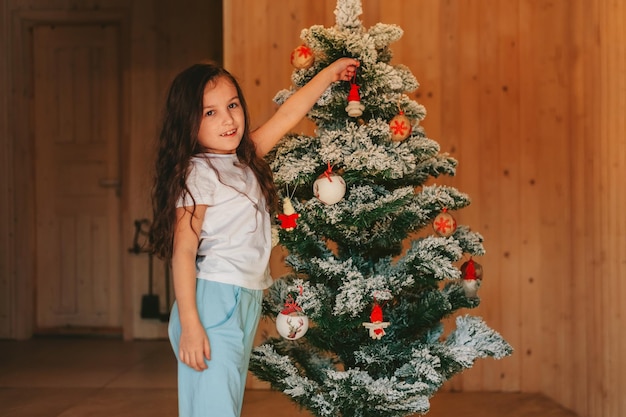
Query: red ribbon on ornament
point(291, 306)
point(328, 172)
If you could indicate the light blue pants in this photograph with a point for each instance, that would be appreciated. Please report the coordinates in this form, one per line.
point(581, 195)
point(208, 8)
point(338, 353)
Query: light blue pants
point(230, 315)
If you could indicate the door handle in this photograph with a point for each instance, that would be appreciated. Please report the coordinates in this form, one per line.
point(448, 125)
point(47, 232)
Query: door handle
point(109, 183)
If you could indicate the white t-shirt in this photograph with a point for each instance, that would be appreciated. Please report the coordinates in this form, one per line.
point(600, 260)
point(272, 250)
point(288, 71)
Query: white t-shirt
point(235, 241)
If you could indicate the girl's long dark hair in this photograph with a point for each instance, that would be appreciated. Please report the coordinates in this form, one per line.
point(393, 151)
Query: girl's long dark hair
point(178, 143)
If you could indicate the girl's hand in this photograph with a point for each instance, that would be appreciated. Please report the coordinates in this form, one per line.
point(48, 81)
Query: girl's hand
point(194, 347)
point(343, 69)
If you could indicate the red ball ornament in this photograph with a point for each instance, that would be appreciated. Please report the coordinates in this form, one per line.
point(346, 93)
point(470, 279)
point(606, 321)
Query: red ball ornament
point(444, 224)
point(302, 57)
point(400, 127)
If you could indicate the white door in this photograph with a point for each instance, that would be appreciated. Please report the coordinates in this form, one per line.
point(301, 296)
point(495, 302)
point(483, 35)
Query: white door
point(77, 80)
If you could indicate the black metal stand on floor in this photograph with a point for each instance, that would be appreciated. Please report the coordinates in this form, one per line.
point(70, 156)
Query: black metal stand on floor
point(150, 303)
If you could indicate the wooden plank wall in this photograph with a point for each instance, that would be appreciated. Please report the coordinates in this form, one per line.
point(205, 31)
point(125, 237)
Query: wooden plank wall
point(599, 231)
point(6, 284)
point(529, 96)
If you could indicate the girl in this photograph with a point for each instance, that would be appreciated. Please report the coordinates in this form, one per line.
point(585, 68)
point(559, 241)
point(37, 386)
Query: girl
point(212, 198)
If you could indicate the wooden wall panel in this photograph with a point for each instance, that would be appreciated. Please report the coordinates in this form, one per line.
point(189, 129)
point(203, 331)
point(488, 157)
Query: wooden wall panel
point(599, 244)
point(487, 200)
point(548, 22)
point(167, 38)
point(462, 90)
point(529, 97)
point(584, 292)
point(6, 212)
point(529, 274)
point(507, 91)
point(145, 96)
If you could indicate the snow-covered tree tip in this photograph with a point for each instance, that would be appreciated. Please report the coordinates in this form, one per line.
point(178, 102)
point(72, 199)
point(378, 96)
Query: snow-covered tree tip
point(347, 14)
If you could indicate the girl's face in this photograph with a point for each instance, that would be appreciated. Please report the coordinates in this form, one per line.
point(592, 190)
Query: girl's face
point(223, 121)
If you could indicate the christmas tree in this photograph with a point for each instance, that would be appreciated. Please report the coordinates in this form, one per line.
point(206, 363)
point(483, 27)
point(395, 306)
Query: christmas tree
point(377, 260)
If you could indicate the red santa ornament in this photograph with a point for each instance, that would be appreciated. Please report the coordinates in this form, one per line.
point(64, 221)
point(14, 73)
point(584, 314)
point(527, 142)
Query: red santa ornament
point(376, 326)
point(289, 216)
point(400, 127)
point(444, 224)
point(472, 275)
point(354, 107)
point(302, 57)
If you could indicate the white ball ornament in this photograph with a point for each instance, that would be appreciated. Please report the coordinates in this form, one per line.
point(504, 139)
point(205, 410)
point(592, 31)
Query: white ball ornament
point(329, 189)
point(292, 326)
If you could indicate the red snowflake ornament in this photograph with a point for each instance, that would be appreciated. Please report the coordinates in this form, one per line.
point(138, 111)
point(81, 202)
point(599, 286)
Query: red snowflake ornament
point(400, 127)
point(444, 224)
point(302, 57)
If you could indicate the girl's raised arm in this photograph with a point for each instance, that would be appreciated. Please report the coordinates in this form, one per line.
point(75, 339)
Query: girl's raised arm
point(297, 106)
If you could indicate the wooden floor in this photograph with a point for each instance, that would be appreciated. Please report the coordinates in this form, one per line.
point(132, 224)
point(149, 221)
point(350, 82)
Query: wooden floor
point(104, 377)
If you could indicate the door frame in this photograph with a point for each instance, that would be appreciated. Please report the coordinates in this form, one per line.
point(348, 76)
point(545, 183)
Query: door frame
point(20, 168)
